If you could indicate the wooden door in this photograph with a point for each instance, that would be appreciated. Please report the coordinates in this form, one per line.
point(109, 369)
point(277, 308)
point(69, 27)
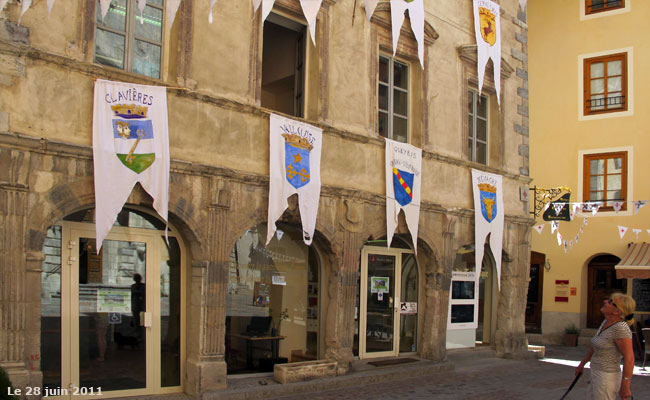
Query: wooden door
point(535, 291)
point(602, 283)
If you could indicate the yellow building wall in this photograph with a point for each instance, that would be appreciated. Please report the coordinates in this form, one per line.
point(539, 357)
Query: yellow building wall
point(559, 35)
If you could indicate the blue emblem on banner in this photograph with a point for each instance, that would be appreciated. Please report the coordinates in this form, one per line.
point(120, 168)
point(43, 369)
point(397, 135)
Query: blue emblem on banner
point(296, 160)
point(488, 197)
point(403, 186)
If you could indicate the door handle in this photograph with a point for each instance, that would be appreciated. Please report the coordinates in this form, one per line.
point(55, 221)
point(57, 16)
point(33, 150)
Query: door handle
point(146, 319)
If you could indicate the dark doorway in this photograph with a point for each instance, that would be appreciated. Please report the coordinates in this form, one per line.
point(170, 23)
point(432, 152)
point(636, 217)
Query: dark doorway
point(602, 283)
point(535, 292)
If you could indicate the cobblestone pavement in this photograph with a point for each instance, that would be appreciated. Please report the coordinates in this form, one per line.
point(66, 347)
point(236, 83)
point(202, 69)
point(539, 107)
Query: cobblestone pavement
point(488, 379)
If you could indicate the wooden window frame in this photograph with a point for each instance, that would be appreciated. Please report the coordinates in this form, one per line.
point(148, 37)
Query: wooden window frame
point(132, 18)
point(471, 136)
point(587, 83)
point(605, 3)
point(391, 100)
point(586, 171)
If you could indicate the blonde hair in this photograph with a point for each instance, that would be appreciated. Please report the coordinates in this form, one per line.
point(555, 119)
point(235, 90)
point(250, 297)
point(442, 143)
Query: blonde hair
point(626, 304)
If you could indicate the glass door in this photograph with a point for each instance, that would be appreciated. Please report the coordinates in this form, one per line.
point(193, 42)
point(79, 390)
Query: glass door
point(380, 286)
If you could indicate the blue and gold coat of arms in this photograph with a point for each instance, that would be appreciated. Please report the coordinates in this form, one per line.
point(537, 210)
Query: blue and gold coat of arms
point(403, 186)
point(296, 160)
point(133, 137)
point(488, 201)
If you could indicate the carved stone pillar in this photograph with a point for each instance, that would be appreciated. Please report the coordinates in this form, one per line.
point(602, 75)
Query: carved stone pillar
point(344, 275)
point(436, 302)
point(207, 367)
point(13, 310)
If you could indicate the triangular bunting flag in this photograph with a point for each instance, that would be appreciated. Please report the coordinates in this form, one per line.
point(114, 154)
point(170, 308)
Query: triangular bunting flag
point(416, 15)
point(576, 239)
point(104, 5)
point(639, 205)
point(648, 230)
point(555, 225)
point(141, 5)
point(172, 8)
point(576, 207)
point(50, 4)
point(522, 4)
point(25, 6)
point(622, 230)
point(559, 239)
point(210, 19)
point(310, 9)
point(617, 206)
point(370, 6)
point(584, 221)
point(636, 232)
point(539, 228)
point(267, 6)
point(487, 29)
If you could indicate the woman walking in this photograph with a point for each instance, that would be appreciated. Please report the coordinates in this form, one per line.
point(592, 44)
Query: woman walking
point(612, 342)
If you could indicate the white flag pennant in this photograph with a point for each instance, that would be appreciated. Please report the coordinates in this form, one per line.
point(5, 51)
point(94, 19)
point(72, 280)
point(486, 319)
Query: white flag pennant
point(295, 153)
point(558, 207)
point(539, 228)
point(370, 6)
point(488, 216)
point(487, 29)
point(25, 6)
point(50, 4)
point(522, 4)
point(310, 9)
point(130, 144)
point(595, 207)
point(566, 244)
point(559, 239)
point(210, 18)
point(172, 8)
point(622, 230)
point(267, 6)
point(576, 238)
point(576, 207)
point(584, 221)
point(416, 15)
point(636, 232)
point(639, 205)
point(617, 205)
point(403, 187)
point(141, 5)
point(104, 5)
point(555, 226)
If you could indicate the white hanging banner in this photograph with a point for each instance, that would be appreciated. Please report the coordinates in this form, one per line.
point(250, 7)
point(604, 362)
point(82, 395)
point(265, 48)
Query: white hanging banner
point(50, 4)
point(416, 15)
point(130, 144)
point(172, 8)
point(141, 5)
point(25, 6)
point(622, 230)
point(522, 4)
point(487, 29)
point(210, 19)
point(370, 6)
point(488, 217)
point(104, 5)
point(639, 205)
point(539, 228)
point(403, 187)
point(294, 168)
point(310, 9)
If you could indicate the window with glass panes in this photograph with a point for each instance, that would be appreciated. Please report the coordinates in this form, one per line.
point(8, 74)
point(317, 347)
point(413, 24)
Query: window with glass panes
point(393, 94)
point(605, 178)
point(126, 40)
point(477, 127)
point(605, 84)
point(595, 6)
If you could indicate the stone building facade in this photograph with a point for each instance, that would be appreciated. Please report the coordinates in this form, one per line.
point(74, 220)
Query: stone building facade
point(219, 183)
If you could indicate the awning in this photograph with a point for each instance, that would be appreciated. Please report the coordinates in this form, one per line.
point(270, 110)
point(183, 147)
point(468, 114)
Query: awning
point(635, 263)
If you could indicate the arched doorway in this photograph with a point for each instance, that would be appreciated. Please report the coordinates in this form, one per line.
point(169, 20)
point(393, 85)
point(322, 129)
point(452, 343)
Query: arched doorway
point(388, 300)
point(112, 323)
point(602, 283)
point(273, 301)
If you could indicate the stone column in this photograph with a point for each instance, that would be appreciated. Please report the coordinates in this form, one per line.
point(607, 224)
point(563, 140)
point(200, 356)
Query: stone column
point(207, 367)
point(510, 335)
point(344, 275)
point(436, 296)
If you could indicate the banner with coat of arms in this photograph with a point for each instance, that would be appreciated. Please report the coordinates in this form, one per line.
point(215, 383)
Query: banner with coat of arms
point(130, 144)
point(294, 168)
point(416, 16)
point(403, 187)
point(488, 217)
point(487, 29)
